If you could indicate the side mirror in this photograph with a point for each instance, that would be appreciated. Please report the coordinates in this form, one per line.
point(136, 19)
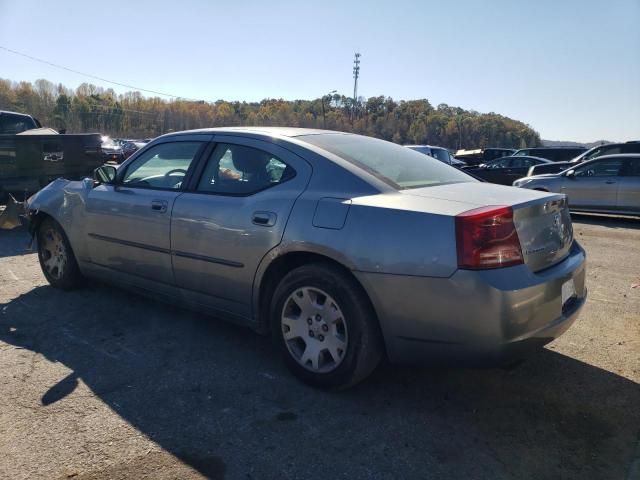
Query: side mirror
point(105, 174)
point(570, 173)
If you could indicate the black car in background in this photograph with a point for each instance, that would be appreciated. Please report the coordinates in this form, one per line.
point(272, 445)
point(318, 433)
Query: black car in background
point(478, 156)
point(506, 170)
point(555, 154)
point(597, 151)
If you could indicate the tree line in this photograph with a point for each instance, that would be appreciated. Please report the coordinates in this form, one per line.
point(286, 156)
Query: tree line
point(90, 108)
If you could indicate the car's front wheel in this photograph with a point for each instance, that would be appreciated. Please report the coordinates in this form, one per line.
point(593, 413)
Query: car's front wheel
point(325, 327)
point(56, 257)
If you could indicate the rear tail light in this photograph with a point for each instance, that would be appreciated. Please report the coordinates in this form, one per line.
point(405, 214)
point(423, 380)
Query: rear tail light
point(487, 238)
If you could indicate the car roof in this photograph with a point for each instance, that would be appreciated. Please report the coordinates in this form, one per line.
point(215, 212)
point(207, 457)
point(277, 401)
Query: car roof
point(15, 113)
point(544, 160)
point(268, 131)
point(615, 155)
point(425, 146)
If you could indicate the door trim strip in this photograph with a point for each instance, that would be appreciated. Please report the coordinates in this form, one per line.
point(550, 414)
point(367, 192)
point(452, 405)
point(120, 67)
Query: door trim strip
point(192, 256)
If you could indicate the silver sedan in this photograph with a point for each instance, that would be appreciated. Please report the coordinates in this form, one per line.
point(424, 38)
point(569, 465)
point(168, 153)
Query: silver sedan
point(345, 248)
point(609, 184)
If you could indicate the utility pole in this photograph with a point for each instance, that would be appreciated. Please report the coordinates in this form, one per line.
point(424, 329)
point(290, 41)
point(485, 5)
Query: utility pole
point(356, 74)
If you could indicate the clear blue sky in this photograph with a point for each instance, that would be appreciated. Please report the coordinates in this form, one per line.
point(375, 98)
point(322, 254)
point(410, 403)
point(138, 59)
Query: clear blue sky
point(569, 68)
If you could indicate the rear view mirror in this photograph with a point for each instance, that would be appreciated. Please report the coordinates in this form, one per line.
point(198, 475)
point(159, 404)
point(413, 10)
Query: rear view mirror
point(105, 174)
point(570, 173)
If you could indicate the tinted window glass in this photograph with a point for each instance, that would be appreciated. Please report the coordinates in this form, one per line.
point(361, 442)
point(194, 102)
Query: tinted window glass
point(162, 166)
point(523, 162)
point(502, 163)
point(631, 148)
point(11, 124)
point(397, 166)
point(240, 170)
point(604, 150)
point(602, 168)
point(440, 154)
point(632, 168)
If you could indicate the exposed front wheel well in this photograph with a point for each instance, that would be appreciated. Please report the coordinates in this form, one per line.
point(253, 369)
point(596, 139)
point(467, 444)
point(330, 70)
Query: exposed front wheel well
point(36, 219)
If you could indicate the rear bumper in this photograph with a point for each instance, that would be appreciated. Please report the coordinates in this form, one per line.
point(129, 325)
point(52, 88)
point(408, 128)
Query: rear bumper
point(475, 318)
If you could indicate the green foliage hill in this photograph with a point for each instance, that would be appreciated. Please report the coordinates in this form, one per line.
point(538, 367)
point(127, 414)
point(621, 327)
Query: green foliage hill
point(94, 109)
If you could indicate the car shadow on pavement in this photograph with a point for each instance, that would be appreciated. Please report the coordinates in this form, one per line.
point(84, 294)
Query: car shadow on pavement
point(217, 397)
point(14, 242)
point(607, 220)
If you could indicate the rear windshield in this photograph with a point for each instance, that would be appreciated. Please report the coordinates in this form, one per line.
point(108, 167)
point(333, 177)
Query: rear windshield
point(11, 124)
point(399, 167)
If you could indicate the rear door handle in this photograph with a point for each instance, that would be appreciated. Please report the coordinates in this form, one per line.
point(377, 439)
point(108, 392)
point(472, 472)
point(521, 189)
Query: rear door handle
point(264, 219)
point(159, 206)
point(610, 182)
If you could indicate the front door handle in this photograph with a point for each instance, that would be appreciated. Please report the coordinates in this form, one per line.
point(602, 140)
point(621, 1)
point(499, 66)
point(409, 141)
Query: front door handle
point(610, 182)
point(159, 206)
point(264, 219)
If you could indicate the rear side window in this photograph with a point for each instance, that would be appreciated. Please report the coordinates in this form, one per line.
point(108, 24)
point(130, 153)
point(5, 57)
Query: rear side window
point(440, 154)
point(631, 148)
point(632, 168)
point(399, 167)
point(241, 170)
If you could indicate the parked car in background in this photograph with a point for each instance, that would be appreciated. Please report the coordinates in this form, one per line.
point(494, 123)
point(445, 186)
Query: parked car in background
point(438, 153)
point(32, 156)
point(344, 247)
point(608, 184)
point(595, 152)
point(478, 156)
point(129, 148)
point(111, 151)
point(555, 154)
point(506, 170)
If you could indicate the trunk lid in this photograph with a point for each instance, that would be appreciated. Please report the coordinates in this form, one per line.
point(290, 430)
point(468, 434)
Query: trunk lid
point(541, 219)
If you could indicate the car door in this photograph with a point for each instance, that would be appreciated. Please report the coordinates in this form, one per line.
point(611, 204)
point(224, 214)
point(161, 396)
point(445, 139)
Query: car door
point(518, 168)
point(595, 184)
point(629, 187)
point(128, 223)
point(234, 213)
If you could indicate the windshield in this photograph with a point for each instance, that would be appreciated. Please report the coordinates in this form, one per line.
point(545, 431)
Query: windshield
point(397, 166)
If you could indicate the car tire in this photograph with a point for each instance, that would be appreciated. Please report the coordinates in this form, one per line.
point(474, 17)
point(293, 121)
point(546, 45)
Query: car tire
point(320, 308)
point(56, 257)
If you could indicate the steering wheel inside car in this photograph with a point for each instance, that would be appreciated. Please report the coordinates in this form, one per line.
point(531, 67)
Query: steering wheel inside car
point(176, 170)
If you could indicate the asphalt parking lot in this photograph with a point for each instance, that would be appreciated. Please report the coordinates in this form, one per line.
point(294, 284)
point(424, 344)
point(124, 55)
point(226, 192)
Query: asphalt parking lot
point(102, 384)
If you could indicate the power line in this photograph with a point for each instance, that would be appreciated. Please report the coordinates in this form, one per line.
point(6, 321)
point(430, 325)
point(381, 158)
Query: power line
point(62, 67)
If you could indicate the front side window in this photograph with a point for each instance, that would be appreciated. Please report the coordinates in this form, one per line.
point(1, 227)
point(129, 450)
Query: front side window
point(397, 166)
point(602, 168)
point(502, 163)
point(163, 166)
point(524, 162)
point(240, 170)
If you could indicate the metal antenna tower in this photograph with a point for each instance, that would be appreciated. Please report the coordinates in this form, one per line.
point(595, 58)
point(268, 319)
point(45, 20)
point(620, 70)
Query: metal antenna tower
point(356, 74)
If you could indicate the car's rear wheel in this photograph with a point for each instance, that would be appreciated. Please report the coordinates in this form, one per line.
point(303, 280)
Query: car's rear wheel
point(325, 327)
point(56, 258)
